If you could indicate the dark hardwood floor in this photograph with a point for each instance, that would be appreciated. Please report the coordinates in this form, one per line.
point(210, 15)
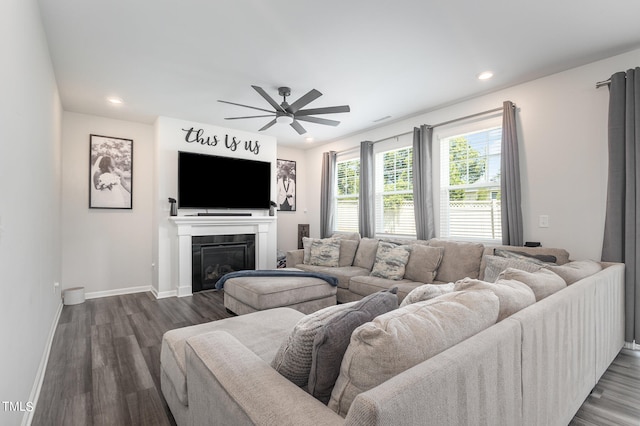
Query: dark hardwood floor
point(615, 400)
point(104, 366)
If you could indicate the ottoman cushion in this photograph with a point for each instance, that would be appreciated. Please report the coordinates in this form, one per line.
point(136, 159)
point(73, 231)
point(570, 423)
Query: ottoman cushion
point(262, 293)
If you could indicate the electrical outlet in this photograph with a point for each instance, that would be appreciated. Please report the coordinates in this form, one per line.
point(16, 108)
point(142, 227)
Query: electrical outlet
point(56, 286)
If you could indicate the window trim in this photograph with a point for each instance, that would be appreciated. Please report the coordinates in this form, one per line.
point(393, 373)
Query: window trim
point(446, 132)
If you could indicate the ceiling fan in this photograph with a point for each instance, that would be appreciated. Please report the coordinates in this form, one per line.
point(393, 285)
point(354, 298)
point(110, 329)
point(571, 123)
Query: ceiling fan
point(292, 114)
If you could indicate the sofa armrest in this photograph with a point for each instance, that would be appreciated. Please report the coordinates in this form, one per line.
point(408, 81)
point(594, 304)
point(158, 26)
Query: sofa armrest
point(230, 385)
point(295, 257)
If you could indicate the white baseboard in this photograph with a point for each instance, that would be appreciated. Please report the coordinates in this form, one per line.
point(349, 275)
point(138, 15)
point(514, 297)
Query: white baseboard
point(185, 291)
point(632, 345)
point(118, 292)
point(163, 294)
point(42, 368)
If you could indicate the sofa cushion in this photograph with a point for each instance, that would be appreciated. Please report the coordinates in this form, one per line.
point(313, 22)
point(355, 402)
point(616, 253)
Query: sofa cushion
point(423, 263)
point(543, 282)
point(325, 252)
point(390, 261)
point(459, 260)
point(366, 253)
point(332, 340)
point(540, 259)
point(348, 250)
point(576, 270)
point(513, 295)
point(261, 332)
point(400, 339)
point(427, 292)
point(494, 265)
point(293, 358)
point(366, 285)
point(353, 236)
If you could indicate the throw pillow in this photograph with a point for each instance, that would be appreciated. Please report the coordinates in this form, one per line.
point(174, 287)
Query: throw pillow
point(576, 270)
point(543, 282)
point(325, 252)
point(306, 245)
point(513, 295)
point(540, 259)
point(293, 358)
point(423, 263)
point(332, 340)
point(400, 339)
point(366, 253)
point(348, 250)
point(494, 265)
point(426, 292)
point(459, 260)
point(390, 261)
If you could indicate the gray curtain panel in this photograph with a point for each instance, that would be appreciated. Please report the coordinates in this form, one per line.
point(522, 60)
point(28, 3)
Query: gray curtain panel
point(366, 206)
point(422, 182)
point(622, 223)
point(327, 194)
point(512, 229)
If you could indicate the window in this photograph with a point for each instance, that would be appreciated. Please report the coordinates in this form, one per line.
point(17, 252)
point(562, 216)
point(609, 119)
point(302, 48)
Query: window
point(470, 186)
point(347, 195)
point(394, 192)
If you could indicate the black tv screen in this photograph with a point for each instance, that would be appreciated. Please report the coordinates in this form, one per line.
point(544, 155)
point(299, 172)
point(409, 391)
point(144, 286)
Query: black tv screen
point(211, 181)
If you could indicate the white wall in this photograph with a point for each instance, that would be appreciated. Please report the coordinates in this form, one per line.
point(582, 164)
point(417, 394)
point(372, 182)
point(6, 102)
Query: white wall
point(562, 123)
point(30, 115)
point(106, 251)
point(288, 221)
point(170, 137)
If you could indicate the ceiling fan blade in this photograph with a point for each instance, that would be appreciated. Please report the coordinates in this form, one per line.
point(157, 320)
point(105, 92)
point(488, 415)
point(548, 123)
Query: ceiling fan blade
point(298, 127)
point(319, 120)
point(268, 98)
point(249, 116)
point(327, 110)
point(312, 95)
point(246, 106)
point(269, 124)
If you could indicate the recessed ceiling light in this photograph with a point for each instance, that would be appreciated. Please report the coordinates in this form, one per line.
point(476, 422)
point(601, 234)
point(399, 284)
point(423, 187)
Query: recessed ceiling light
point(309, 139)
point(486, 75)
point(115, 100)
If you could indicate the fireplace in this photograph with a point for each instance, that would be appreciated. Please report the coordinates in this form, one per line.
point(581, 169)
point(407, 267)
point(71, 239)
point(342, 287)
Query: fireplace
point(262, 227)
point(216, 255)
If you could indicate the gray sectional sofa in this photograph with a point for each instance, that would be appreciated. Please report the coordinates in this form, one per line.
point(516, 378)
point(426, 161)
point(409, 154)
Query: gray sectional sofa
point(455, 260)
point(535, 367)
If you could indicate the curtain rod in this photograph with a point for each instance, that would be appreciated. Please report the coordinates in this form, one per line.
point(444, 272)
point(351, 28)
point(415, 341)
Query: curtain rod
point(466, 117)
point(603, 83)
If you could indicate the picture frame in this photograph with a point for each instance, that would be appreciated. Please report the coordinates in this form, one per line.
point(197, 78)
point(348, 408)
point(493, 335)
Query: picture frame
point(286, 183)
point(110, 172)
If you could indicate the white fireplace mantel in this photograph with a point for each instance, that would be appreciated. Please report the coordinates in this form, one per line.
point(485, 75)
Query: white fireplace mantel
point(189, 226)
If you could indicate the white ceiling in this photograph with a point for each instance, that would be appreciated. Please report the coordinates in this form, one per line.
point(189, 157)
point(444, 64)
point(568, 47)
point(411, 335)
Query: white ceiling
point(176, 58)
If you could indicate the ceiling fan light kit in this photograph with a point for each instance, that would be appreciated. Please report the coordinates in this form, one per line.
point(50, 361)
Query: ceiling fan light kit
point(284, 113)
point(284, 119)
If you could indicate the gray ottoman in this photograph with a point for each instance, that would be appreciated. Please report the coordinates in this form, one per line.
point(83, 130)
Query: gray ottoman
point(243, 295)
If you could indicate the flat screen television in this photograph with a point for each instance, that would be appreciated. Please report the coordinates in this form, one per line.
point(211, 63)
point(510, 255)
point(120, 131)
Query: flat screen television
point(215, 182)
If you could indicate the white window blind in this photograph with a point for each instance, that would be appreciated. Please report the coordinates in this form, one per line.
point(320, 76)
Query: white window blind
point(470, 186)
point(347, 195)
point(394, 192)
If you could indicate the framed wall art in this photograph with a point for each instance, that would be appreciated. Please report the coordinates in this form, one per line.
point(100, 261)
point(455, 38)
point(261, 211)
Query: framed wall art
point(286, 180)
point(110, 172)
